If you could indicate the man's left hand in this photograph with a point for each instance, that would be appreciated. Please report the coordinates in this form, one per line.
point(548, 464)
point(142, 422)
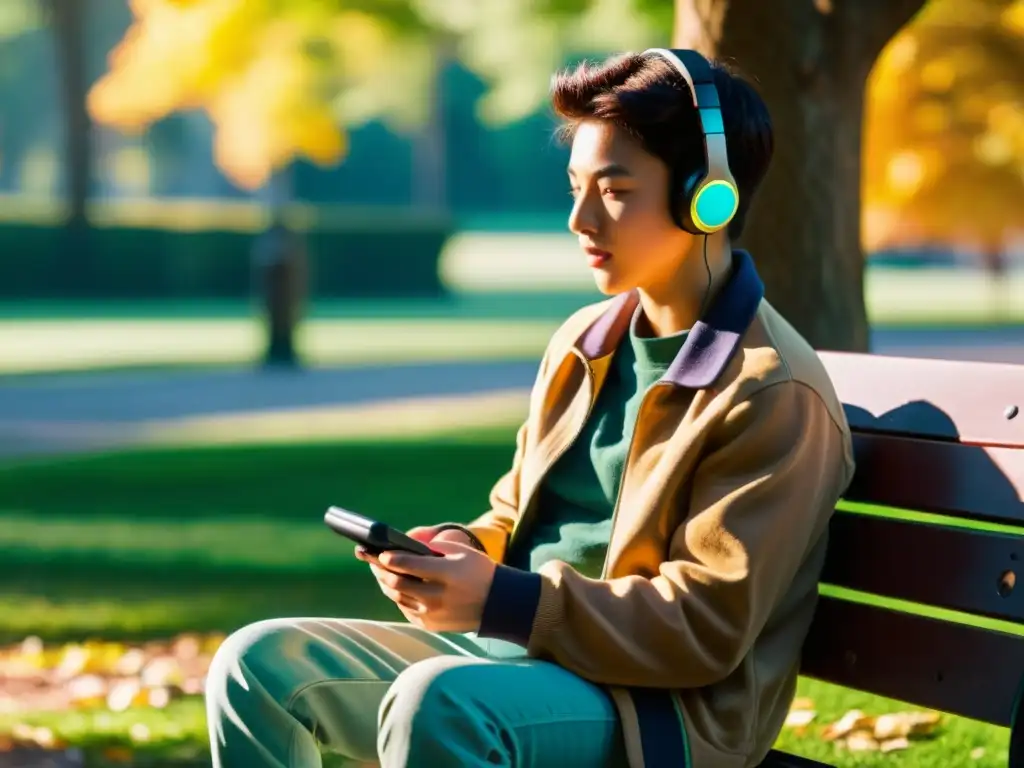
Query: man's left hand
point(440, 594)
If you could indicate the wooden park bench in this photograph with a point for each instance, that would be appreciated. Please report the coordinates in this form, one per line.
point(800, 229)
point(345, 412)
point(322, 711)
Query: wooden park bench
point(945, 438)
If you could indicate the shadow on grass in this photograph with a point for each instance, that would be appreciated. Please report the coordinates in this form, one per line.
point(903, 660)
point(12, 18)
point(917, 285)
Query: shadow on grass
point(151, 543)
point(133, 604)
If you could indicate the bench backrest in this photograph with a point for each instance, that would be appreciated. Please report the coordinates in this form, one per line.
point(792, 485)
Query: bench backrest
point(945, 438)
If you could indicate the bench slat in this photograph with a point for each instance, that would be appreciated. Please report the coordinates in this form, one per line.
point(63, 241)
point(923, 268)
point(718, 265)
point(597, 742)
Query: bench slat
point(948, 478)
point(944, 399)
point(939, 665)
point(937, 565)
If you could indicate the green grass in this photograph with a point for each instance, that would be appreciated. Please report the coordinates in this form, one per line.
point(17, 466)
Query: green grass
point(172, 736)
point(149, 542)
point(952, 746)
point(146, 544)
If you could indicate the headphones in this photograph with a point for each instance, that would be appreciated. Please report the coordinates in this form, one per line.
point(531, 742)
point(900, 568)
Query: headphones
point(708, 198)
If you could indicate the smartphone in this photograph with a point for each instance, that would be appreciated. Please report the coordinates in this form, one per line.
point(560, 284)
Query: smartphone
point(374, 536)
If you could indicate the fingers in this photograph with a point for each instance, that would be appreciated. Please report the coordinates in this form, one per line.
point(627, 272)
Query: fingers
point(459, 537)
point(454, 546)
point(422, 533)
point(396, 585)
point(424, 567)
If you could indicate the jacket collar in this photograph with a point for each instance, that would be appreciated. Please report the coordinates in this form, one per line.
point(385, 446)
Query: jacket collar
point(712, 341)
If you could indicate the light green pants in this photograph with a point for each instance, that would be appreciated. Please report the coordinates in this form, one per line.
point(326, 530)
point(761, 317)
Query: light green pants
point(279, 692)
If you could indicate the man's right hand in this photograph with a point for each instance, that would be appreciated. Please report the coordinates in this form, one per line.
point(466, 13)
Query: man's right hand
point(428, 533)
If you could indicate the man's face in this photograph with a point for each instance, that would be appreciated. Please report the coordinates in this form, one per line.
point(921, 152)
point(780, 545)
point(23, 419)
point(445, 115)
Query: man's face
point(620, 212)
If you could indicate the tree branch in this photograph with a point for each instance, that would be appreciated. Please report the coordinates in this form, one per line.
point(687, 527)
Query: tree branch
point(698, 24)
point(884, 18)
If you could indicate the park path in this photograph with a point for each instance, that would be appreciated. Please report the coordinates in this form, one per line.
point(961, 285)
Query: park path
point(78, 411)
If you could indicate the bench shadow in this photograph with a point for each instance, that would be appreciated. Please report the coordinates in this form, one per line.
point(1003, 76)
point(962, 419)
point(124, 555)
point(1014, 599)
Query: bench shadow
point(927, 460)
point(911, 458)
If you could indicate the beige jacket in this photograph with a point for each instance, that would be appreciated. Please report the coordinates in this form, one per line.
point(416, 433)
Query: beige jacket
point(737, 460)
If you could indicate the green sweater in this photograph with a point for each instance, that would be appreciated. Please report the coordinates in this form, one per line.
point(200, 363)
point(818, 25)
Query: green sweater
point(575, 502)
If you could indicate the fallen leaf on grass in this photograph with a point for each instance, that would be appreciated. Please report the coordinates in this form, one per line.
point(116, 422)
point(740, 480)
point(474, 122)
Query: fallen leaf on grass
point(861, 741)
point(801, 714)
point(865, 741)
point(892, 732)
point(97, 674)
point(893, 745)
point(800, 718)
point(23, 734)
point(905, 724)
point(854, 720)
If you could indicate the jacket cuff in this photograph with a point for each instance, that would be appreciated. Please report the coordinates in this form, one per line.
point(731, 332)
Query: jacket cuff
point(511, 605)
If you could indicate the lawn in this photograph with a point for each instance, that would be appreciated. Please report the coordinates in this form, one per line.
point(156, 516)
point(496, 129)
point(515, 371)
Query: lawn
point(138, 547)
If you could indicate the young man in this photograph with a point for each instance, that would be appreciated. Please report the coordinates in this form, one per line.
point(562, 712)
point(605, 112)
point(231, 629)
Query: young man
point(640, 589)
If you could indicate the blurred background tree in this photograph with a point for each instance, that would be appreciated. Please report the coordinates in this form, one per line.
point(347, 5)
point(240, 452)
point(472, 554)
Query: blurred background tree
point(944, 141)
point(283, 79)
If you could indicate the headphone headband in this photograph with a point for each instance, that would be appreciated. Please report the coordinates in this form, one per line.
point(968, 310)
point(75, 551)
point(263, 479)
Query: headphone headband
point(711, 198)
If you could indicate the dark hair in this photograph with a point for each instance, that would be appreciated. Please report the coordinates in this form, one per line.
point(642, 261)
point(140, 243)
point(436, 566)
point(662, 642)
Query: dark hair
point(647, 97)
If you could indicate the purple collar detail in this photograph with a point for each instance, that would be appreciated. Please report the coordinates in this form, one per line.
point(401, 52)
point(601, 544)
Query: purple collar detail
point(712, 341)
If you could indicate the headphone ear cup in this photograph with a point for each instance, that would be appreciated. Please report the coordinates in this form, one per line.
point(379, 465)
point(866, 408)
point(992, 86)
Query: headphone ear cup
point(677, 198)
point(684, 202)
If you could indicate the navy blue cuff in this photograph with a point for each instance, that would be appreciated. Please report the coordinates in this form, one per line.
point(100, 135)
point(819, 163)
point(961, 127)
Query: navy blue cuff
point(511, 605)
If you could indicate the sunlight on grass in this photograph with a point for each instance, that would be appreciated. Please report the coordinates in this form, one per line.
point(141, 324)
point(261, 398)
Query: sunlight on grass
point(154, 607)
point(958, 742)
point(45, 345)
point(406, 418)
point(139, 544)
point(175, 733)
point(298, 538)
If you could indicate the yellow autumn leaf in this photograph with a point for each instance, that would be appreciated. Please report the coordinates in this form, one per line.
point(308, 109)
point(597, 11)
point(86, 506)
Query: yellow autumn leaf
point(853, 720)
point(894, 745)
point(905, 724)
point(861, 741)
point(800, 718)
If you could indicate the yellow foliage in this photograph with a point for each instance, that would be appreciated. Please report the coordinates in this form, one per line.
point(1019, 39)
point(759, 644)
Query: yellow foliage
point(944, 129)
point(267, 73)
point(1013, 18)
point(272, 111)
point(279, 78)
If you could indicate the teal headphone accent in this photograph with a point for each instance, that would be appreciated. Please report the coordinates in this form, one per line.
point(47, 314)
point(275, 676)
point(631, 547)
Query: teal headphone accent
point(707, 200)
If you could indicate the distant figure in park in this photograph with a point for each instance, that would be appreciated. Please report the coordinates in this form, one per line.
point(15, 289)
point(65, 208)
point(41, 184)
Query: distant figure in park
point(639, 591)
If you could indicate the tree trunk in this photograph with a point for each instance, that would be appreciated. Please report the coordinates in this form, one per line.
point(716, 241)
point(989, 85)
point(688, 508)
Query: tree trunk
point(67, 19)
point(810, 60)
point(280, 265)
point(430, 152)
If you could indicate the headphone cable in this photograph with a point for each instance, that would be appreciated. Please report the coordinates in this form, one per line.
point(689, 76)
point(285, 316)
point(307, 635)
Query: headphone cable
point(707, 291)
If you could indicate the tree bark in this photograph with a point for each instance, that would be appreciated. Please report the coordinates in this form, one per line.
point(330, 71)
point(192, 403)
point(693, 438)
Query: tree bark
point(280, 266)
point(430, 181)
point(810, 60)
point(67, 19)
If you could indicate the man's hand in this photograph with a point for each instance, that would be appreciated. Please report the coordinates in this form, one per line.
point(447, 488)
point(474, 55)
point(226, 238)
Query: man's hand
point(440, 594)
point(428, 533)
